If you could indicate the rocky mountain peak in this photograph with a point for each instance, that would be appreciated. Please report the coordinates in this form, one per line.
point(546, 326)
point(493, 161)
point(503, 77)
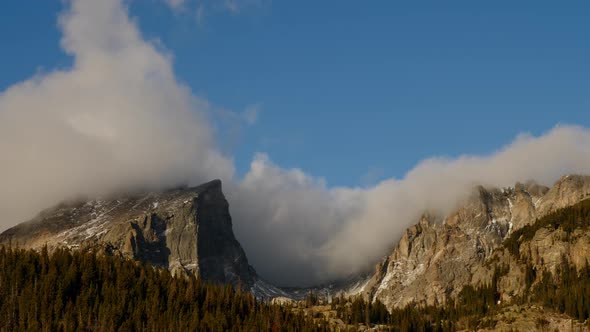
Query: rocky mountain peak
point(568, 190)
point(186, 230)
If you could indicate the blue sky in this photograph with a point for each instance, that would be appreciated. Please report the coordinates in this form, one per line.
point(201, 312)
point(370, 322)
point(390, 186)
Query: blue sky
point(352, 93)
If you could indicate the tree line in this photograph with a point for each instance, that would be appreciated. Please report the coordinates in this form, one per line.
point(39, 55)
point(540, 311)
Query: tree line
point(73, 291)
point(466, 311)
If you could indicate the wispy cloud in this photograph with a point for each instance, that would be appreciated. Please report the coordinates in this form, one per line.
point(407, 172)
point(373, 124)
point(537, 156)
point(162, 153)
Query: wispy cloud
point(250, 114)
point(203, 8)
point(372, 176)
point(176, 4)
point(231, 125)
point(200, 14)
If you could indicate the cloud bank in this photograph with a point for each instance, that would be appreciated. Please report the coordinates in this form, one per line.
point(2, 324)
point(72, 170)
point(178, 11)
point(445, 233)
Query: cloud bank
point(324, 233)
point(118, 119)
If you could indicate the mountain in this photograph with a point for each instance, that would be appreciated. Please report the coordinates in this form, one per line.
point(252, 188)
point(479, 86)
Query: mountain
point(538, 278)
point(185, 230)
point(440, 255)
point(189, 231)
point(507, 259)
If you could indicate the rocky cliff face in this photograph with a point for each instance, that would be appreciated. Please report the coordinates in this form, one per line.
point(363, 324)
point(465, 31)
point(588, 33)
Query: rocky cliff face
point(440, 254)
point(544, 247)
point(184, 230)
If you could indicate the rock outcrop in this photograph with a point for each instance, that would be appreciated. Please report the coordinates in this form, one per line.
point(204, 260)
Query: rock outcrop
point(186, 230)
point(544, 247)
point(439, 255)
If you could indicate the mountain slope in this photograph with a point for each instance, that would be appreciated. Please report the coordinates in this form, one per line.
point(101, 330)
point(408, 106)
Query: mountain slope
point(186, 230)
point(538, 278)
point(84, 291)
point(439, 255)
point(561, 237)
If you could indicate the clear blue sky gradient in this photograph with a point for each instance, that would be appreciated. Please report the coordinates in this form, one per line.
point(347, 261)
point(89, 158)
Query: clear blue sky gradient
point(347, 89)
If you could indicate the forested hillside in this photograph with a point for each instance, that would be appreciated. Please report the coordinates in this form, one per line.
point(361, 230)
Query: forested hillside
point(72, 291)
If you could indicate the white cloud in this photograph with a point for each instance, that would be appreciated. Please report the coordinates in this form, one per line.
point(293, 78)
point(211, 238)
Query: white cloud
point(117, 118)
point(324, 233)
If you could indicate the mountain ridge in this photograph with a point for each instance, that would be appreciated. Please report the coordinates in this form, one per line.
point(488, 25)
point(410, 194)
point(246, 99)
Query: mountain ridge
point(438, 256)
point(189, 230)
point(185, 230)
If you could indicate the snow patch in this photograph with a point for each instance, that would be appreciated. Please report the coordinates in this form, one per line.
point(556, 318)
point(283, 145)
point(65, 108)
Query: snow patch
point(358, 287)
point(388, 276)
point(263, 290)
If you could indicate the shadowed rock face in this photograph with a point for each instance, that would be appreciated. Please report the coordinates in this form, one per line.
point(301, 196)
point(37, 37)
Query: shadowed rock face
point(184, 230)
point(221, 255)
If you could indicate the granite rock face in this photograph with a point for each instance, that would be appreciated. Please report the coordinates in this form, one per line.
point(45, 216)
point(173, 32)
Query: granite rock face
point(439, 255)
point(545, 251)
point(185, 230)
